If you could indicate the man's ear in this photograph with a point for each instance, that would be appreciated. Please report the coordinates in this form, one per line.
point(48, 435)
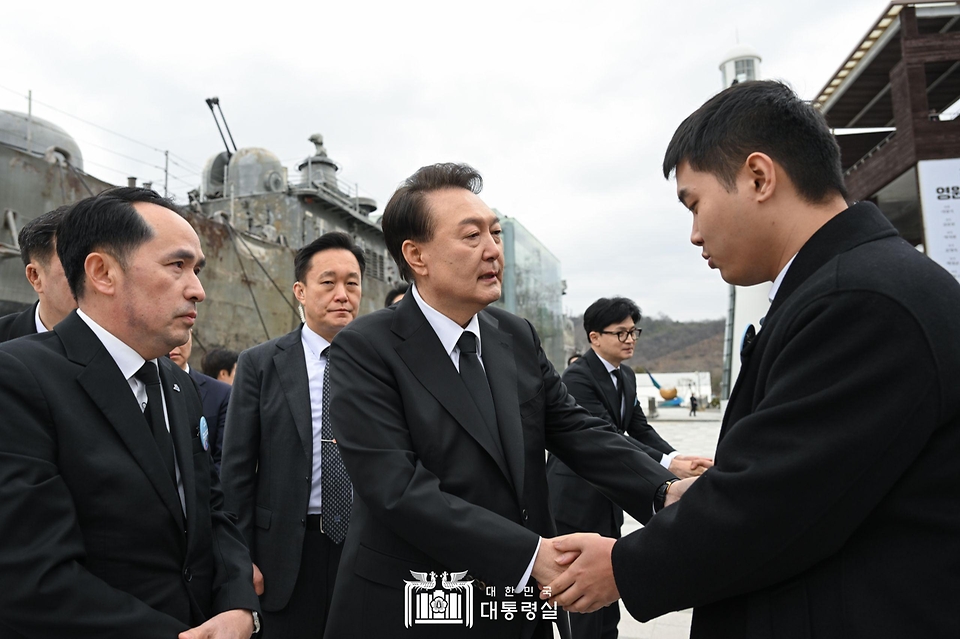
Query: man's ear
point(762, 173)
point(414, 257)
point(594, 338)
point(298, 292)
point(102, 272)
point(35, 277)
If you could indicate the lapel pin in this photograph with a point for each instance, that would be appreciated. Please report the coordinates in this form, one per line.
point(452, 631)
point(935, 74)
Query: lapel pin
point(204, 434)
point(176, 388)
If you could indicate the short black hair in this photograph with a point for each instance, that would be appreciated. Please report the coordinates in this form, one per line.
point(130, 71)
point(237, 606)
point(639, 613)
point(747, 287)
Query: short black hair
point(400, 289)
point(760, 116)
point(105, 222)
point(607, 311)
point(406, 216)
point(573, 358)
point(327, 241)
point(37, 236)
point(218, 359)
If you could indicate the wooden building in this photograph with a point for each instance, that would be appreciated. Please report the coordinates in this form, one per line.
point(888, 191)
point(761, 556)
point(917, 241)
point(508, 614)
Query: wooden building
point(893, 105)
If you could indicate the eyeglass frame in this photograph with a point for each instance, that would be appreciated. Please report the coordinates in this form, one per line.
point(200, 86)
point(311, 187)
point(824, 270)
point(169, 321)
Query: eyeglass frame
point(622, 335)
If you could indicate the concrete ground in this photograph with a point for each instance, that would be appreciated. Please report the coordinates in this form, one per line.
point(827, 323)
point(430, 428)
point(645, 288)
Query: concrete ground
point(689, 435)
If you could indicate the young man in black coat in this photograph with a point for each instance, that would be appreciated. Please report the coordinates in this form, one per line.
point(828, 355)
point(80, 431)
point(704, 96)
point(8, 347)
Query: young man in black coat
point(831, 511)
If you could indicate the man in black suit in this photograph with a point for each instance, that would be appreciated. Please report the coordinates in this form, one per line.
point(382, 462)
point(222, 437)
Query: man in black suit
point(606, 387)
point(832, 508)
point(109, 507)
point(282, 472)
point(442, 411)
point(38, 250)
point(215, 397)
point(220, 364)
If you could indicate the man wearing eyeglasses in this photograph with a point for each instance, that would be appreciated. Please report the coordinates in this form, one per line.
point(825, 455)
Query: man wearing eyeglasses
point(602, 384)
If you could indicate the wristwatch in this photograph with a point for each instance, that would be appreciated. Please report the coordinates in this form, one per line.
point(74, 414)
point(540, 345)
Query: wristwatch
point(661, 495)
point(256, 622)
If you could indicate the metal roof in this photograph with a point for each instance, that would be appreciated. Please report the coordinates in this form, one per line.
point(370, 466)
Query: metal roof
point(858, 93)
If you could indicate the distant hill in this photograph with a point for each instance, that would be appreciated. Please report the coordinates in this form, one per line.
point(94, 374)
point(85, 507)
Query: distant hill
point(669, 346)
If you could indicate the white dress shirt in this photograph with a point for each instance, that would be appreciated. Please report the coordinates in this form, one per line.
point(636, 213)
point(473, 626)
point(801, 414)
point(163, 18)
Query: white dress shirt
point(313, 347)
point(777, 282)
point(36, 317)
point(449, 332)
point(129, 362)
point(667, 457)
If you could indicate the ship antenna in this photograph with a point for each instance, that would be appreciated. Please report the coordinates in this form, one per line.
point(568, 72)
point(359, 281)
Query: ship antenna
point(216, 101)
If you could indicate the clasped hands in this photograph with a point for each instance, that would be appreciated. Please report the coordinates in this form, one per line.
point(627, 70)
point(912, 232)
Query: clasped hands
point(576, 571)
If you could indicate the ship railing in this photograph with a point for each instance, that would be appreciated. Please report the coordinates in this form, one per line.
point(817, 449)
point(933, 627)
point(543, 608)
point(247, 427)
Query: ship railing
point(346, 194)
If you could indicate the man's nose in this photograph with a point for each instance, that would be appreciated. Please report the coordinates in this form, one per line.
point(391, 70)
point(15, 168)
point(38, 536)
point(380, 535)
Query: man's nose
point(695, 237)
point(195, 290)
point(492, 248)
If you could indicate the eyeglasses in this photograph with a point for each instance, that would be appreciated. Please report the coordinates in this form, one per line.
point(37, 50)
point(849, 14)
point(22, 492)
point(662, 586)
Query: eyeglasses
point(623, 335)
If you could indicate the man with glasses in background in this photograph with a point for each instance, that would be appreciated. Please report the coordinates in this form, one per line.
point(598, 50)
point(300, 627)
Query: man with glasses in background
point(606, 387)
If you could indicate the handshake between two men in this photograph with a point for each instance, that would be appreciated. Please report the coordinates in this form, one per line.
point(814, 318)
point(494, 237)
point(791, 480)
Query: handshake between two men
point(575, 571)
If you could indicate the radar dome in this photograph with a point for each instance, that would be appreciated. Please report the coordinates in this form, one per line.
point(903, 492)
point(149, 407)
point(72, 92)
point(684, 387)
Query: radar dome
point(252, 171)
point(16, 128)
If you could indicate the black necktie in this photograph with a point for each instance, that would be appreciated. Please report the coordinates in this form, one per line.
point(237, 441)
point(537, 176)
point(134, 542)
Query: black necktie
point(154, 415)
point(471, 371)
point(336, 491)
point(617, 375)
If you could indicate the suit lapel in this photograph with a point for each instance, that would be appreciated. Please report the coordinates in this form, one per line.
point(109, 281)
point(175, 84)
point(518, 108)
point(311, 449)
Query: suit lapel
point(106, 386)
point(501, 369)
point(181, 431)
point(629, 394)
point(291, 364)
point(423, 353)
point(608, 391)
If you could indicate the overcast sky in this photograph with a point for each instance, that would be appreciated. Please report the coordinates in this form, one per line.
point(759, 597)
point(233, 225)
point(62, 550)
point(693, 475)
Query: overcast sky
point(564, 107)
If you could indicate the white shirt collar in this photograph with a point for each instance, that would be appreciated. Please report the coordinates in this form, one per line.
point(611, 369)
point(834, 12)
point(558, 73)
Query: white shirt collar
point(610, 367)
point(36, 316)
point(777, 282)
point(446, 329)
point(313, 342)
point(127, 359)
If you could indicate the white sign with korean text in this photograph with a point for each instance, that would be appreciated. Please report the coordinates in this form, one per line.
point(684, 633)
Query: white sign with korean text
point(939, 182)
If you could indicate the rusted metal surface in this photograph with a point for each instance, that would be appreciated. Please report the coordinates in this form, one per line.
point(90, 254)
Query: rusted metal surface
point(30, 185)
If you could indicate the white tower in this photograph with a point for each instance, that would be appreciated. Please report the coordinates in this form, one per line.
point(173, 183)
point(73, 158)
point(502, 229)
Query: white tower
point(742, 63)
point(747, 304)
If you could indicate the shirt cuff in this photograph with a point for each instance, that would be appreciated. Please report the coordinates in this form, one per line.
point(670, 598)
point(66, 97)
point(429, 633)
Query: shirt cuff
point(526, 575)
point(667, 458)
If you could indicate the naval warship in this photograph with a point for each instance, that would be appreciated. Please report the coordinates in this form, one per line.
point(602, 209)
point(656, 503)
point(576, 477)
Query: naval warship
point(250, 212)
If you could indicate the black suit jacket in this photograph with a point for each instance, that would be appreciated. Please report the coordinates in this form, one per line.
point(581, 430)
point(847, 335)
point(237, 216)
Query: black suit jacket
point(92, 527)
point(832, 510)
point(432, 492)
point(576, 505)
point(215, 397)
point(19, 324)
point(268, 460)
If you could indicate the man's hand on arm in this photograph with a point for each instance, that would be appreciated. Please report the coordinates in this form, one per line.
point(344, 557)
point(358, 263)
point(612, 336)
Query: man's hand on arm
point(232, 624)
point(257, 580)
point(587, 584)
point(684, 466)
